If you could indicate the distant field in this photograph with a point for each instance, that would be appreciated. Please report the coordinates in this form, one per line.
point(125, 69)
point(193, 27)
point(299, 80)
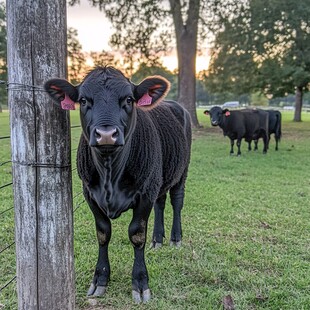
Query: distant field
point(245, 230)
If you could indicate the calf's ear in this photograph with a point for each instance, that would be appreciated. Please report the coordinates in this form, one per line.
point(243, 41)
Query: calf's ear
point(151, 91)
point(206, 112)
point(226, 112)
point(62, 92)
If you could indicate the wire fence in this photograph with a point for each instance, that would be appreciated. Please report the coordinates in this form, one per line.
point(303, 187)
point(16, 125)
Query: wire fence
point(7, 213)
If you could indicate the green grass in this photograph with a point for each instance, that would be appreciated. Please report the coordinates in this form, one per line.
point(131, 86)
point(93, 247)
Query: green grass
point(245, 231)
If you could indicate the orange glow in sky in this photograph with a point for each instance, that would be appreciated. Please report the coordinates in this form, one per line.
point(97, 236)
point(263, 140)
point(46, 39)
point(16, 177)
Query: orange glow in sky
point(94, 31)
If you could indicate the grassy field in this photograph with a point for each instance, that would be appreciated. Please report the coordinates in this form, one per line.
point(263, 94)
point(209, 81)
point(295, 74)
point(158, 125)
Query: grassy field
point(245, 230)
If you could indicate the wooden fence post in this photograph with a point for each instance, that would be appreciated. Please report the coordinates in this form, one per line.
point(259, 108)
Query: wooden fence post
point(40, 140)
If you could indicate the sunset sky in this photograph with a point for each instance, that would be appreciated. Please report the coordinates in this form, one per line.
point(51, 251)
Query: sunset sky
point(94, 31)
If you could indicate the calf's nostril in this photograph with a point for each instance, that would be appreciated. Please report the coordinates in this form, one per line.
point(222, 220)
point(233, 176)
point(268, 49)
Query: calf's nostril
point(97, 134)
point(115, 134)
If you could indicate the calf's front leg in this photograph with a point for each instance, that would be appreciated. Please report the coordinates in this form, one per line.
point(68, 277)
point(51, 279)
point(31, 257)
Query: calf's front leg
point(232, 146)
point(239, 146)
point(137, 234)
point(266, 142)
point(102, 272)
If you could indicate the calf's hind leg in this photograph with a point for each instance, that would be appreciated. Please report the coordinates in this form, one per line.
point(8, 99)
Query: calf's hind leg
point(159, 229)
point(177, 200)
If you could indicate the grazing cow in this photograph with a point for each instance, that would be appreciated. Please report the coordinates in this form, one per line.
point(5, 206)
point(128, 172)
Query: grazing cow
point(134, 148)
point(238, 124)
point(275, 118)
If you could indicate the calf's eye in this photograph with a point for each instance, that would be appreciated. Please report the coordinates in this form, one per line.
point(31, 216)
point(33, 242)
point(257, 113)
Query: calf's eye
point(83, 101)
point(129, 100)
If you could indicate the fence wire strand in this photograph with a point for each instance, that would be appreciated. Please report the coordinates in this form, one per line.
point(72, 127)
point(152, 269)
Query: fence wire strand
point(5, 163)
point(7, 247)
point(8, 283)
point(7, 210)
point(6, 185)
point(77, 206)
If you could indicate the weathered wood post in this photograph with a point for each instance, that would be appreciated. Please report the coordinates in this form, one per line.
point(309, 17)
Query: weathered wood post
point(40, 135)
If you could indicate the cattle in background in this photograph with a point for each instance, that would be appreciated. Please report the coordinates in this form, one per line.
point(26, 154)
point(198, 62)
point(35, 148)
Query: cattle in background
point(275, 120)
point(239, 124)
point(134, 148)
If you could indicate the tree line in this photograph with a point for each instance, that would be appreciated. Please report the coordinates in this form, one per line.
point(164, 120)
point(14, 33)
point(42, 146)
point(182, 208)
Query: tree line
point(258, 45)
point(259, 48)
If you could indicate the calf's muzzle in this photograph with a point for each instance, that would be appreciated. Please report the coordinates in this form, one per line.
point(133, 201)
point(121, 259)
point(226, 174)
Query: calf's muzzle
point(105, 136)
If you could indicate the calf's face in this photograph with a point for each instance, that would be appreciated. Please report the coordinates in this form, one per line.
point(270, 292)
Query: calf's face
point(216, 115)
point(107, 104)
point(106, 108)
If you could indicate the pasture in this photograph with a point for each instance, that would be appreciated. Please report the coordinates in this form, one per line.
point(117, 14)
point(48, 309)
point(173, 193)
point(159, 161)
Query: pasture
point(245, 230)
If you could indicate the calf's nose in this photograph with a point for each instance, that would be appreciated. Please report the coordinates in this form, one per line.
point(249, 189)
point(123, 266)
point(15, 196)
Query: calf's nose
point(106, 136)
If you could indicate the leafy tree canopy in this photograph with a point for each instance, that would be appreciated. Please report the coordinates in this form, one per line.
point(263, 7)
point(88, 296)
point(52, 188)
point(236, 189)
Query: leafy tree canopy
point(265, 46)
point(145, 70)
point(76, 57)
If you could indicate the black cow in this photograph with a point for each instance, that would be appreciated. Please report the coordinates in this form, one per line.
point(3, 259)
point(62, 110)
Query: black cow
point(133, 150)
point(275, 120)
point(238, 124)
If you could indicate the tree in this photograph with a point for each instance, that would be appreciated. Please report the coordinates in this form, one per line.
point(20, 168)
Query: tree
point(145, 70)
point(286, 32)
point(102, 58)
point(144, 30)
point(76, 58)
point(264, 46)
point(186, 30)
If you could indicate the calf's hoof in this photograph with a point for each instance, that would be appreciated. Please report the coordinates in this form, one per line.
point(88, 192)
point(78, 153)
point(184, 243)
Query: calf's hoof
point(155, 245)
point(144, 297)
point(96, 291)
point(177, 244)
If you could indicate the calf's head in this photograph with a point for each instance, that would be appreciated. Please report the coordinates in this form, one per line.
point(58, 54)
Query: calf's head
point(217, 115)
point(108, 103)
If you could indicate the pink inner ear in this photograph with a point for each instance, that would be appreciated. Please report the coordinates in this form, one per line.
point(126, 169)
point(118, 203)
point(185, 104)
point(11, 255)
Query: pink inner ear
point(227, 113)
point(67, 103)
point(146, 99)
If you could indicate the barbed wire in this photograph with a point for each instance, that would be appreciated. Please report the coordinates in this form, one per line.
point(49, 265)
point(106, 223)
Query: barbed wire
point(20, 86)
point(71, 127)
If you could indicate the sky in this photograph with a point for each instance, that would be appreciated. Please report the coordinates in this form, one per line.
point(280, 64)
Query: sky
point(94, 31)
